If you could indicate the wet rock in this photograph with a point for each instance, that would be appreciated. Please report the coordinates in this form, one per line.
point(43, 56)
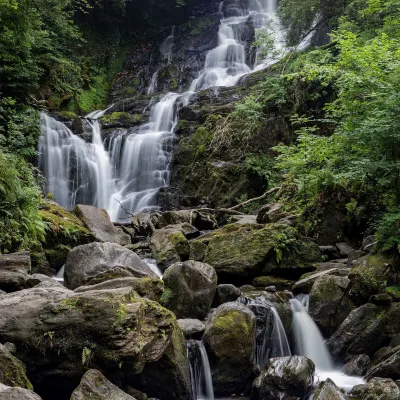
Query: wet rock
point(377, 388)
point(192, 328)
point(89, 261)
point(247, 288)
point(357, 366)
point(242, 252)
point(189, 289)
point(380, 353)
point(279, 283)
point(370, 276)
point(169, 245)
point(344, 249)
point(225, 293)
point(388, 366)
point(11, 347)
point(328, 391)
point(115, 330)
point(365, 330)
point(291, 376)
point(98, 222)
point(94, 385)
point(329, 303)
point(14, 269)
point(144, 223)
point(229, 340)
point(305, 285)
point(16, 393)
point(354, 256)
point(270, 289)
point(12, 371)
point(150, 288)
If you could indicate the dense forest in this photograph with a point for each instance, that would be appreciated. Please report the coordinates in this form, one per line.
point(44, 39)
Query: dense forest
point(250, 144)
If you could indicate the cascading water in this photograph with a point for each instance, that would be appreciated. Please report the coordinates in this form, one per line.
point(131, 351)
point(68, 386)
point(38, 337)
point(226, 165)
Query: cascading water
point(200, 372)
point(310, 343)
point(135, 166)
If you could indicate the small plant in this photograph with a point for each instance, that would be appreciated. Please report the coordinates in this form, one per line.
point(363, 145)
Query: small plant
point(88, 354)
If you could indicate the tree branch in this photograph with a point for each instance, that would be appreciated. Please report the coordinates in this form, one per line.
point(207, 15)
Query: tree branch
point(265, 195)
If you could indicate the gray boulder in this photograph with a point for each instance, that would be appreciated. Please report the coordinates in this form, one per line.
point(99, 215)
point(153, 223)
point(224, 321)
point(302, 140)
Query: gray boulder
point(269, 213)
point(328, 391)
point(16, 393)
point(377, 388)
point(368, 243)
point(95, 386)
point(14, 270)
point(192, 328)
point(114, 330)
point(151, 288)
point(226, 293)
point(330, 303)
point(229, 340)
point(98, 222)
point(291, 376)
point(305, 284)
point(357, 366)
point(344, 249)
point(189, 289)
point(387, 366)
point(37, 279)
point(90, 260)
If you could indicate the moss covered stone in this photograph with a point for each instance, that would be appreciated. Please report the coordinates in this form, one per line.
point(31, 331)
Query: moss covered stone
point(121, 119)
point(270, 280)
point(242, 252)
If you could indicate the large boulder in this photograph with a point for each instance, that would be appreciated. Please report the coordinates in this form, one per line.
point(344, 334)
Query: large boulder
point(12, 371)
point(329, 303)
point(357, 366)
point(365, 330)
point(289, 376)
point(95, 386)
point(305, 284)
point(388, 366)
point(151, 288)
point(59, 334)
point(14, 270)
point(192, 328)
point(229, 340)
point(17, 393)
point(242, 252)
point(189, 289)
point(371, 275)
point(88, 261)
point(328, 391)
point(377, 388)
point(169, 245)
point(98, 222)
point(226, 293)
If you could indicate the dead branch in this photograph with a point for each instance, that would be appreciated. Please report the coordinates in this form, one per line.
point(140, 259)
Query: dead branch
point(265, 195)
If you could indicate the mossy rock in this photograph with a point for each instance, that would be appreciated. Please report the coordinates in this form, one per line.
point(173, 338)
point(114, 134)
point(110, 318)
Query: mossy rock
point(121, 120)
point(372, 275)
point(394, 291)
point(240, 253)
point(12, 371)
point(280, 283)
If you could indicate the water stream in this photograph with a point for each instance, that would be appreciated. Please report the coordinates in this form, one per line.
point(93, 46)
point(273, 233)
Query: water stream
point(128, 172)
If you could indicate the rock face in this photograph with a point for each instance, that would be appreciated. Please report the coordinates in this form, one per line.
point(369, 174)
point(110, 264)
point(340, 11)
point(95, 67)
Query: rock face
point(98, 222)
point(192, 328)
point(292, 376)
point(14, 269)
point(242, 252)
point(189, 289)
point(91, 260)
point(328, 391)
point(12, 371)
point(16, 393)
point(169, 245)
point(365, 330)
point(229, 340)
point(150, 288)
point(329, 303)
point(226, 293)
point(388, 366)
point(95, 386)
point(59, 334)
point(377, 388)
point(357, 366)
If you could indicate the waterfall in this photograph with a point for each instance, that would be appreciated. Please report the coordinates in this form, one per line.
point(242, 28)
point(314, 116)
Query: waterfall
point(200, 372)
point(280, 344)
point(152, 264)
point(310, 343)
point(128, 173)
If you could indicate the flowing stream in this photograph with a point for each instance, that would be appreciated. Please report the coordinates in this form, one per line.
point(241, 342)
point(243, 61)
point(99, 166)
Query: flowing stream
point(128, 173)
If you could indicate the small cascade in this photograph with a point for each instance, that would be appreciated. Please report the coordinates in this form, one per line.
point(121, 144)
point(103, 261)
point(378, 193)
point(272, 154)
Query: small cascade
point(59, 276)
point(153, 83)
point(280, 344)
point(200, 372)
point(152, 264)
point(167, 46)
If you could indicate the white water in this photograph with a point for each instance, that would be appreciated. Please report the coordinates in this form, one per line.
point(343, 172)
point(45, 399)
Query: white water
point(129, 173)
point(152, 264)
point(310, 343)
point(280, 344)
point(200, 372)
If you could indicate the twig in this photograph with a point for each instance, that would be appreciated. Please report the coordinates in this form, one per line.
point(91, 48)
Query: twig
point(124, 209)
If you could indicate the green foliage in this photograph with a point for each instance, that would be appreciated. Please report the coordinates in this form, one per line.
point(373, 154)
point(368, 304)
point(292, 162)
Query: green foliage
point(20, 224)
point(388, 233)
point(264, 166)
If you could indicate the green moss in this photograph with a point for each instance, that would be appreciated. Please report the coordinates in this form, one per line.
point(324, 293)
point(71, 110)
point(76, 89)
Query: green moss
point(122, 118)
point(197, 25)
point(394, 291)
point(280, 283)
point(166, 296)
point(180, 243)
